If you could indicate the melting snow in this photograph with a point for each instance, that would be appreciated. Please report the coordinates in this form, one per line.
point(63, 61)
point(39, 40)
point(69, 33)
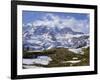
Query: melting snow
point(28, 61)
point(79, 50)
point(28, 66)
point(75, 58)
point(43, 60)
point(76, 61)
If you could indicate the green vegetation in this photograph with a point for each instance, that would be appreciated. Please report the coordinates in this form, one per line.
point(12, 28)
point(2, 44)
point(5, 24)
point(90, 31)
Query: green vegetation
point(59, 55)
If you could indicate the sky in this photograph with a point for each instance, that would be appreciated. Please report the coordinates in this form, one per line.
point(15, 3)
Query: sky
point(76, 21)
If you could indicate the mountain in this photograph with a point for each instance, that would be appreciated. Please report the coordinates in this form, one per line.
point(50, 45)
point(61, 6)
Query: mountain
point(44, 37)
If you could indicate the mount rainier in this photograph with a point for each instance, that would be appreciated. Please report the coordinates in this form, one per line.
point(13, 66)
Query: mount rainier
point(44, 37)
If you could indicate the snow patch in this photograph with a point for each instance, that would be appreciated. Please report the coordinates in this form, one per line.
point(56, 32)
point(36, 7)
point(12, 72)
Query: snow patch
point(43, 60)
point(76, 61)
point(29, 66)
point(79, 50)
point(74, 58)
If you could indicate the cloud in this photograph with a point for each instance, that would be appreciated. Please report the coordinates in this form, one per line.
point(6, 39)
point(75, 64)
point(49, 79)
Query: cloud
point(52, 20)
point(48, 20)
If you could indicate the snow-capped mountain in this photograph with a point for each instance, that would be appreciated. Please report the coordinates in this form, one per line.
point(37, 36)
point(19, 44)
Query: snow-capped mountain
point(44, 37)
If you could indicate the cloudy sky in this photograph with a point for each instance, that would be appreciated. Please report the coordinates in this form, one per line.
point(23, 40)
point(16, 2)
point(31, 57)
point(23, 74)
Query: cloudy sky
point(76, 21)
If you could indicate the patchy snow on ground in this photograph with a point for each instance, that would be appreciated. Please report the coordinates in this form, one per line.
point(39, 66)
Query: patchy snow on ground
point(28, 61)
point(72, 61)
point(43, 60)
point(79, 50)
point(31, 66)
point(74, 58)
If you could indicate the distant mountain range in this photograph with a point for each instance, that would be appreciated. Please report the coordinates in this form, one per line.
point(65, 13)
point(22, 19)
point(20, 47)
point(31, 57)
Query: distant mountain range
point(44, 37)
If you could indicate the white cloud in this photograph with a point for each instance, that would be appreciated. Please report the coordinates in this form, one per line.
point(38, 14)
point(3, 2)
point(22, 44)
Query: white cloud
point(51, 20)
